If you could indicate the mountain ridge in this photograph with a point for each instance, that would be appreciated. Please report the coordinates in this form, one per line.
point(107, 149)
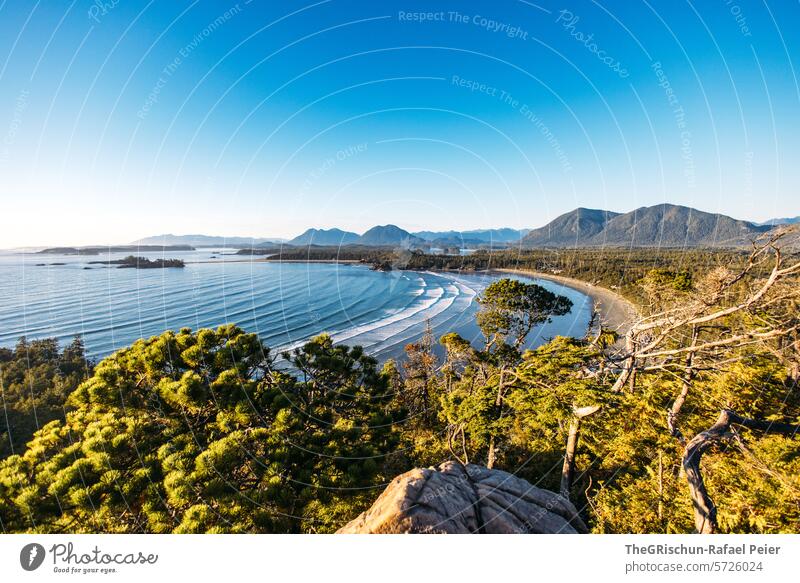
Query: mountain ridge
point(779, 222)
point(665, 225)
point(198, 240)
point(499, 235)
point(389, 235)
point(334, 236)
point(569, 228)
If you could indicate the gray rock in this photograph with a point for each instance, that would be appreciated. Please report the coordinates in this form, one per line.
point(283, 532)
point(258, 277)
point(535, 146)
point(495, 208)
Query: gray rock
point(457, 499)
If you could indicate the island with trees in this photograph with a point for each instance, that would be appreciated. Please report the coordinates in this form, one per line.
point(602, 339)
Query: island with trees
point(133, 262)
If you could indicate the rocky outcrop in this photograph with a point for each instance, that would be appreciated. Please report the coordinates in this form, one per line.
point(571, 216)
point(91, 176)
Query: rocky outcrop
point(453, 498)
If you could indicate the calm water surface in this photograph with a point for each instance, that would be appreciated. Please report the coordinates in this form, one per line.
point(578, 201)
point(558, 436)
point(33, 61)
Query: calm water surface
point(285, 303)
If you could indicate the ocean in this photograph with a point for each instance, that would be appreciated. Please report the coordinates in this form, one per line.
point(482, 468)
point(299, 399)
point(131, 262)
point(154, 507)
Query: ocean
point(284, 303)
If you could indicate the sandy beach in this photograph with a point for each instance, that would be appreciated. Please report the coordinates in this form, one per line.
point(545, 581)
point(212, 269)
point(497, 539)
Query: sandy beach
point(616, 312)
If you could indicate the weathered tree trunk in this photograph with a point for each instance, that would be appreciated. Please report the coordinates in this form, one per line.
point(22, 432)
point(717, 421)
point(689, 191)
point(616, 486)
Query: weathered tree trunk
point(705, 511)
point(686, 384)
point(492, 455)
point(568, 468)
point(627, 375)
point(498, 403)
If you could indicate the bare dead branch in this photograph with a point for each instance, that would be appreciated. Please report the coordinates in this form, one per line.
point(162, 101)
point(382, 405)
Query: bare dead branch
point(705, 511)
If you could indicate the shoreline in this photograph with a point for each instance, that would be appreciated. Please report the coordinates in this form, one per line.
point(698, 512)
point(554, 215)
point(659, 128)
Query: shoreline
point(616, 312)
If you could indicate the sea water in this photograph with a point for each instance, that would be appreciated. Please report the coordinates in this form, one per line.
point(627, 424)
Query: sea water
point(284, 303)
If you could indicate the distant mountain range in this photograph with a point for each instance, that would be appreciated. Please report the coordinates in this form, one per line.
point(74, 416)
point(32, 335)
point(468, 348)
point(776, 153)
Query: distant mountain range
point(504, 235)
point(204, 240)
point(381, 236)
point(390, 235)
point(105, 249)
point(783, 221)
point(327, 237)
point(664, 225)
point(394, 236)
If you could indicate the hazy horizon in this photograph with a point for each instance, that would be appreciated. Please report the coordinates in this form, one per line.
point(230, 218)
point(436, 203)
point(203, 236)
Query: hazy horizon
point(292, 236)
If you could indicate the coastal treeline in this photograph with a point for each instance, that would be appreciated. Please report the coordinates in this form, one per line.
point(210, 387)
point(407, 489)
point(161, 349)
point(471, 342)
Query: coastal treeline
point(687, 424)
point(36, 377)
point(359, 253)
point(616, 268)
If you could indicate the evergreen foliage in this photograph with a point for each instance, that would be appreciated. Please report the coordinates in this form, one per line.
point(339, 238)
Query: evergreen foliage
point(198, 432)
point(36, 377)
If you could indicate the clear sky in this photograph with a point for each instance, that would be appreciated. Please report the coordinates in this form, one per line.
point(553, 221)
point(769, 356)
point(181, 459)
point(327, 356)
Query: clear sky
point(123, 119)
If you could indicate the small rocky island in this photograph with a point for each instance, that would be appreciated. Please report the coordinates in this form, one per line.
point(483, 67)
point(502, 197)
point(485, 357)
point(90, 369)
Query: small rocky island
point(134, 262)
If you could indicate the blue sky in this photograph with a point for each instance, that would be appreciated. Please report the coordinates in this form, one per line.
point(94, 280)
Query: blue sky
point(127, 119)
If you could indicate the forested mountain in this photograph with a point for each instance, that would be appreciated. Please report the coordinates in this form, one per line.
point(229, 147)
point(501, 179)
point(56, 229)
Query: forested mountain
point(574, 228)
point(385, 236)
point(389, 235)
point(664, 225)
point(324, 237)
point(677, 226)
